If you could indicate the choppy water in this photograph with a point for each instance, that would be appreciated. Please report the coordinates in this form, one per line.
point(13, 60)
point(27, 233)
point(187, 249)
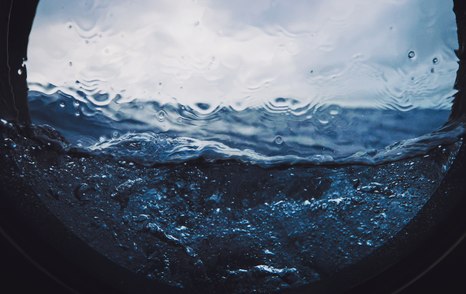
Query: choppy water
point(265, 82)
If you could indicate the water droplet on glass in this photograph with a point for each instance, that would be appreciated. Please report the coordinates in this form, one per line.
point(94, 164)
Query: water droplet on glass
point(70, 63)
point(411, 54)
point(161, 115)
point(334, 112)
point(278, 140)
point(203, 106)
point(76, 104)
point(77, 113)
point(20, 72)
point(62, 104)
point(435, 60)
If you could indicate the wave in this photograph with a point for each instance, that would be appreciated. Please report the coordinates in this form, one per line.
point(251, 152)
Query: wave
point(271, 135)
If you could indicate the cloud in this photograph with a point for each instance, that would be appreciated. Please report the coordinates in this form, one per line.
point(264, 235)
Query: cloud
point(246, 53)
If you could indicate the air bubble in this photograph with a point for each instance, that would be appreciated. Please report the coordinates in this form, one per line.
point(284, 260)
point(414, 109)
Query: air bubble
point(435, 60)
point(411, 54)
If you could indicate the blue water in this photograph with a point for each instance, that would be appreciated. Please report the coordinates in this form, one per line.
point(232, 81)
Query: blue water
point(323, 135)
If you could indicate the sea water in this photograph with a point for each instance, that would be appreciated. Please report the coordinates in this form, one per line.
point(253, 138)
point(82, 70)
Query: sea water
point(278, 99)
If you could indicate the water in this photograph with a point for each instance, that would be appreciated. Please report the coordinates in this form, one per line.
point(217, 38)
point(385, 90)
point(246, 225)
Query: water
point(276, 101)
point(224, 227)
point(320, 82)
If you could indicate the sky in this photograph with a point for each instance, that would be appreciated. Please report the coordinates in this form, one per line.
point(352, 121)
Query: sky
point(247, 53)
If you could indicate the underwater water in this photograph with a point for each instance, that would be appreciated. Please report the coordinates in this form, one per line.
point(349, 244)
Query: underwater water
point(267, 83)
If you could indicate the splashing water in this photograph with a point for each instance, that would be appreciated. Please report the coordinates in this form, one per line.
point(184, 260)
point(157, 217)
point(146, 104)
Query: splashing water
point(265, 82)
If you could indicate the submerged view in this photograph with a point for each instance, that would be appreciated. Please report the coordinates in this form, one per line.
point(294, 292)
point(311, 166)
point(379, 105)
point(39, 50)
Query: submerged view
point(237, 146)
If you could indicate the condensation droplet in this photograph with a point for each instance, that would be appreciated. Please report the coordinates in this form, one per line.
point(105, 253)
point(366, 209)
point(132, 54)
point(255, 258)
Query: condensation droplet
point(77, 113)
point(435, 60)
point(411, 54)
point(20, 72)
point(76, 104)
point(62, 104)
point(278, 140)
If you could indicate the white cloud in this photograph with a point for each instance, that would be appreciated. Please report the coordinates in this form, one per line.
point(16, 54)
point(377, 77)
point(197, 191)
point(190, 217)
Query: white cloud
point(244, 53)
